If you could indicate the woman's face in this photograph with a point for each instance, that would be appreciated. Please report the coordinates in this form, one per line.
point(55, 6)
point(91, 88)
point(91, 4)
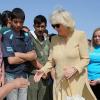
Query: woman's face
point(61, 29)
point(96, 38)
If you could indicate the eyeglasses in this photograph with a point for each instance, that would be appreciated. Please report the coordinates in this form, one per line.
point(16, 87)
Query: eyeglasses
point(55, 25)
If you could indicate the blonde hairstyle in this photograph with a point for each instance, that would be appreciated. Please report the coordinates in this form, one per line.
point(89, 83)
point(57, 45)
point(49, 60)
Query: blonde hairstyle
point(93, 43)
point(61, 16)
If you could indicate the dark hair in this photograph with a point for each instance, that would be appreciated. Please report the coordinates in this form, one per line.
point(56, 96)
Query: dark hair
point(18, 13)
point(40, 19)
point(5, 16)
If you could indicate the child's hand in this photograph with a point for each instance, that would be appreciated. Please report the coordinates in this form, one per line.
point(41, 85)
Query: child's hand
point(20, 83)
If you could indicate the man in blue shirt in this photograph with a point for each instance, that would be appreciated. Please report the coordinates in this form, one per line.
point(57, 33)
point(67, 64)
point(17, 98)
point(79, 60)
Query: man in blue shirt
point(18, 53)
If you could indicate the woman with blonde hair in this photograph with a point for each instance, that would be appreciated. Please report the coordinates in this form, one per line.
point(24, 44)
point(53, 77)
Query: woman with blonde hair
point(69, 55)
point(94, 65)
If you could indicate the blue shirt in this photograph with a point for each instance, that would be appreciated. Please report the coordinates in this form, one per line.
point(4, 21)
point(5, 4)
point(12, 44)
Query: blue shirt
point(94, 65)
point(12, 42)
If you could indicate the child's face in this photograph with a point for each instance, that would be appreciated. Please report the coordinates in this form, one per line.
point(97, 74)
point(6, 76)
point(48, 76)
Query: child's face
point(17, 24)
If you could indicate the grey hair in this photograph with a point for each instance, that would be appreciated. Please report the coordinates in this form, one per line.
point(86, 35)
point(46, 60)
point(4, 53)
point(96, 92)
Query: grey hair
point(61, 16)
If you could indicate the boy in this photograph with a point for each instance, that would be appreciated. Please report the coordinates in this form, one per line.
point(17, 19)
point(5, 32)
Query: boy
point(17, 53)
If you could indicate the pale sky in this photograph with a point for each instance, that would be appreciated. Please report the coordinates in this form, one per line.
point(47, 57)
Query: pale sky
point(85, 12)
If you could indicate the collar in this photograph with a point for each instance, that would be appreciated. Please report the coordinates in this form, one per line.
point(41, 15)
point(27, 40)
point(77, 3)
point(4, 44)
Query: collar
point(33, 34)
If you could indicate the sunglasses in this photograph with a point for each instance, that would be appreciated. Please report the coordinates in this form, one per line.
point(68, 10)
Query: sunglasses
point(55, 25)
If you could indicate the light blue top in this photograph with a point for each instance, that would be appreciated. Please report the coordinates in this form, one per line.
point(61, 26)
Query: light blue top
point(94, 65)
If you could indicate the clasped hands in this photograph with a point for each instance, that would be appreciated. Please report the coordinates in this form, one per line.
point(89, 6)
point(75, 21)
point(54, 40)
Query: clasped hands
point(69, 72)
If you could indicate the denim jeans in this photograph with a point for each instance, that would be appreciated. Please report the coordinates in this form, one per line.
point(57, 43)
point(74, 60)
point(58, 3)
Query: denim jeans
point(16, 94)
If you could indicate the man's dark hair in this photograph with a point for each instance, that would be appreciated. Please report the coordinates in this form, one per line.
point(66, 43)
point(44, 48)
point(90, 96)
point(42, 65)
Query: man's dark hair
point(40, 19)
point(5, 16)
point(18, 13)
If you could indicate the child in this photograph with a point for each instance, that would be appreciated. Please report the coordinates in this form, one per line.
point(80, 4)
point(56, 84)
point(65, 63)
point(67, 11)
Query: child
point(6, 18)
point(17, 53)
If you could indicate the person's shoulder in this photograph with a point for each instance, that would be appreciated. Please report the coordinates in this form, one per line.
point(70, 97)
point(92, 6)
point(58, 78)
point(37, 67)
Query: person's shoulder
point(5, 30)
point(79, 33)
point(7, 33)
point(32, 32)
point(26, 34)
point(33, 35)
point(54, 37)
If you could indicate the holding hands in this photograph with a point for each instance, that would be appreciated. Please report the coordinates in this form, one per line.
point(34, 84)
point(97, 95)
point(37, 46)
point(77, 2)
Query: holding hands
point(38, 75)
point(69, 72)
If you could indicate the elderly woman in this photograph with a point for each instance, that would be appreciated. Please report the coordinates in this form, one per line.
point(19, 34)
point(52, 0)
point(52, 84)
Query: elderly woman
point(69, 54)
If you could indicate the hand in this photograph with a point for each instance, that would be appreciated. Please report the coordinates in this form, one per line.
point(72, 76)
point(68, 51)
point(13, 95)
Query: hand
point(69, 72)
point(45, 76)
point(20, 83)
point(37, 64)
point(94, 82)
point(33, 53)
point(38, 75)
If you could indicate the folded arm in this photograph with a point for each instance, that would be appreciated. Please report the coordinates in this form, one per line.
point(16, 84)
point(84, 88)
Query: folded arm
point(29, 56)
point(15, 60)
point(22, 57)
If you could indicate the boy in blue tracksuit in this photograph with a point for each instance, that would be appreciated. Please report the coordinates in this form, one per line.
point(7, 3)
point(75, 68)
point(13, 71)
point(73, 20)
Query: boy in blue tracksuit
point(18, 53)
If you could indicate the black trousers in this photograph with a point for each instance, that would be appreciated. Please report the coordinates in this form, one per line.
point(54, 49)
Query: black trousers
point(96, 90)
